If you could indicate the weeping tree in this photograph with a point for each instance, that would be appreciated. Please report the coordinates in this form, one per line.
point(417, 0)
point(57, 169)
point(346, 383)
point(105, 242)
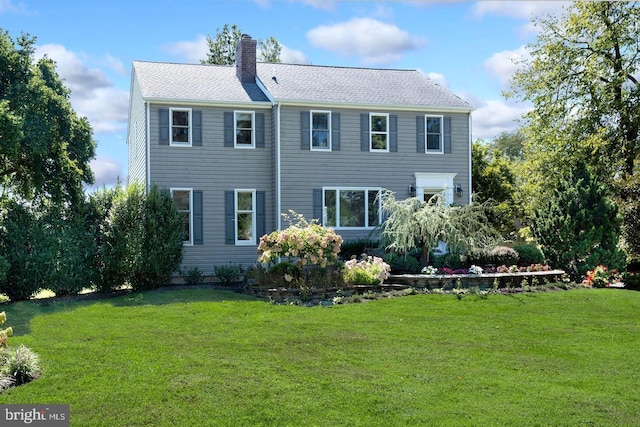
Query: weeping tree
point(414, 224)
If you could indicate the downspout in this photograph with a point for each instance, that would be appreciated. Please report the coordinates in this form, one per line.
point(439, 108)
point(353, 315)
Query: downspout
point(278, 185)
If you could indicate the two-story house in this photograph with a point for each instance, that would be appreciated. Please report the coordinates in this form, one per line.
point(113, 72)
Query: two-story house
point(239, 145)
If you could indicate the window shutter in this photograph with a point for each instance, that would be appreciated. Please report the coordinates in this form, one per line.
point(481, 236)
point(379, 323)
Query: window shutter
point(261, 211)
point(198, 238)
point(364, 132)
point(260, 130)
point(228, 129)
point(305, 130)
point(229, 218)
point(447, 134)
point(163, 125)
point(335, 131)
point(393, 133)
point(317, 205)
point(421, 142)
point(196, 126)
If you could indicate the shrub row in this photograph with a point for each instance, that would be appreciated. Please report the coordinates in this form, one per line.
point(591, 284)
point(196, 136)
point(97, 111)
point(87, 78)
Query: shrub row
point(119, 236)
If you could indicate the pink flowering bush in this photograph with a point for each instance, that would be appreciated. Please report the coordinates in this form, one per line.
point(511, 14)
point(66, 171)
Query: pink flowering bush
point(307, 242)
point(367, 270)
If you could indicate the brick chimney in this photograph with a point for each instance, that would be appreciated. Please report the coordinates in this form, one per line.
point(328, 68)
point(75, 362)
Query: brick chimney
point(246, 59)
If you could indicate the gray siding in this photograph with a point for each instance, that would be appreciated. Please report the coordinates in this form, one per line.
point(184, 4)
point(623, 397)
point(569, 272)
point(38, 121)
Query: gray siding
point(304, 170)
point(214, 169)
point(136, 135)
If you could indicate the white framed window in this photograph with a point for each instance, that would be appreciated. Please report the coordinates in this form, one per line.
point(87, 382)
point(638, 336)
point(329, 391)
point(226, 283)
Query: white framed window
point(245, 216)
point(320, 130)
point(183, 199)
point(433, 134)
point(180, 121)
point(351, 207)
point(379, 132)
point(244, 124)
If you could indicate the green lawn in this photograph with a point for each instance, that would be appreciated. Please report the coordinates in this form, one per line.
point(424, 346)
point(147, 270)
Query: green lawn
point(198, 357)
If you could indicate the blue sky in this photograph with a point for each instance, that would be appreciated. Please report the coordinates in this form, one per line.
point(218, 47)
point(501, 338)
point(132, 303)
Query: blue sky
point(466, 46)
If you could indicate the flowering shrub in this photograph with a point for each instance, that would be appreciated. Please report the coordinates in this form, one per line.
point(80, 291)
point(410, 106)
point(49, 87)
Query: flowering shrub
point(366, 271)
point(601, 277)
point(308, 242)
point(502, 269)
point(429, 270)
point(474, 269)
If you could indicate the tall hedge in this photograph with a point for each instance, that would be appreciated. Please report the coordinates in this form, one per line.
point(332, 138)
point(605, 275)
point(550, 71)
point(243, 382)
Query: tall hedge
point(142, 238)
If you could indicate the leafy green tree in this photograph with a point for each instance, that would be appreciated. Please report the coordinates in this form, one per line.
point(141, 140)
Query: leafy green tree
point(581, 78)
point(413, 224)
point(578, 225)
point(630, 208)
point(510, 144)
point(143, 239)
point(45, 148)
point(222, 48)
point(495, 183)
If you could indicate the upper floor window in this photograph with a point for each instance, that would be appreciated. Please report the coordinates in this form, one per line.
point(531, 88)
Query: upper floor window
point(245, 131)
point(379, 132)
point(245, 217)
point(433, 132)
point(321, 130)
point(182, 198)
point(351, 207)
point(180, 126)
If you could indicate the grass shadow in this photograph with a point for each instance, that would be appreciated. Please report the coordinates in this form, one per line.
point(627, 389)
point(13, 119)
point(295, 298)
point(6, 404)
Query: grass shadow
point(21, 313)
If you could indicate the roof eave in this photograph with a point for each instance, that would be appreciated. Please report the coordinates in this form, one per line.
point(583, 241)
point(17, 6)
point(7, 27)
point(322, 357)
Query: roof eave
point(366, 106)
point(207, 103)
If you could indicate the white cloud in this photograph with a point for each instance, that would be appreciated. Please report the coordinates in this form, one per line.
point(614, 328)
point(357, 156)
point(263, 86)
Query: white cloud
point(492, 117)
point(504, 64)
point(518, 9)
point(439, 79)
point(116, 65)
point(291, 56)
point(375, 42)
point(194, 51)
point(7, 6)
point(92, 94)
point(106, 171)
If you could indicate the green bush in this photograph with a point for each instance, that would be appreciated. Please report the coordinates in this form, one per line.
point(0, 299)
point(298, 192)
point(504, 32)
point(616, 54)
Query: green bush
point(143, 242)
point(24, 249)
point(451, 260)
point(402, 263)
point(351, 248)
point(529, 254)
point(100, 206)
point(503, 255)
point(228, 274)
point(193, 277)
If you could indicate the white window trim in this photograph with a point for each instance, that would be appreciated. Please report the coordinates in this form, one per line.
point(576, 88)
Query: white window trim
point(366, 206)
point(371, 132)
point(190, 190)
point(430, 182)
point(253, 217)
point(328, 113)
point(441, 150)
point(180, 144)
point(253, 130)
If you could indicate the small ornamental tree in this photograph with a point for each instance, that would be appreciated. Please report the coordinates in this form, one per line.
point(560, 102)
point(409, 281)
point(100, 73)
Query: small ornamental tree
point(414, 224)
point(308, 242)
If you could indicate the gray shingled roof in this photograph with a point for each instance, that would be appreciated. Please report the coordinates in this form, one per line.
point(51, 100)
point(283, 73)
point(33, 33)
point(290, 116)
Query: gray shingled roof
point(295, 83)
point(366, 86)
point(194, 82)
